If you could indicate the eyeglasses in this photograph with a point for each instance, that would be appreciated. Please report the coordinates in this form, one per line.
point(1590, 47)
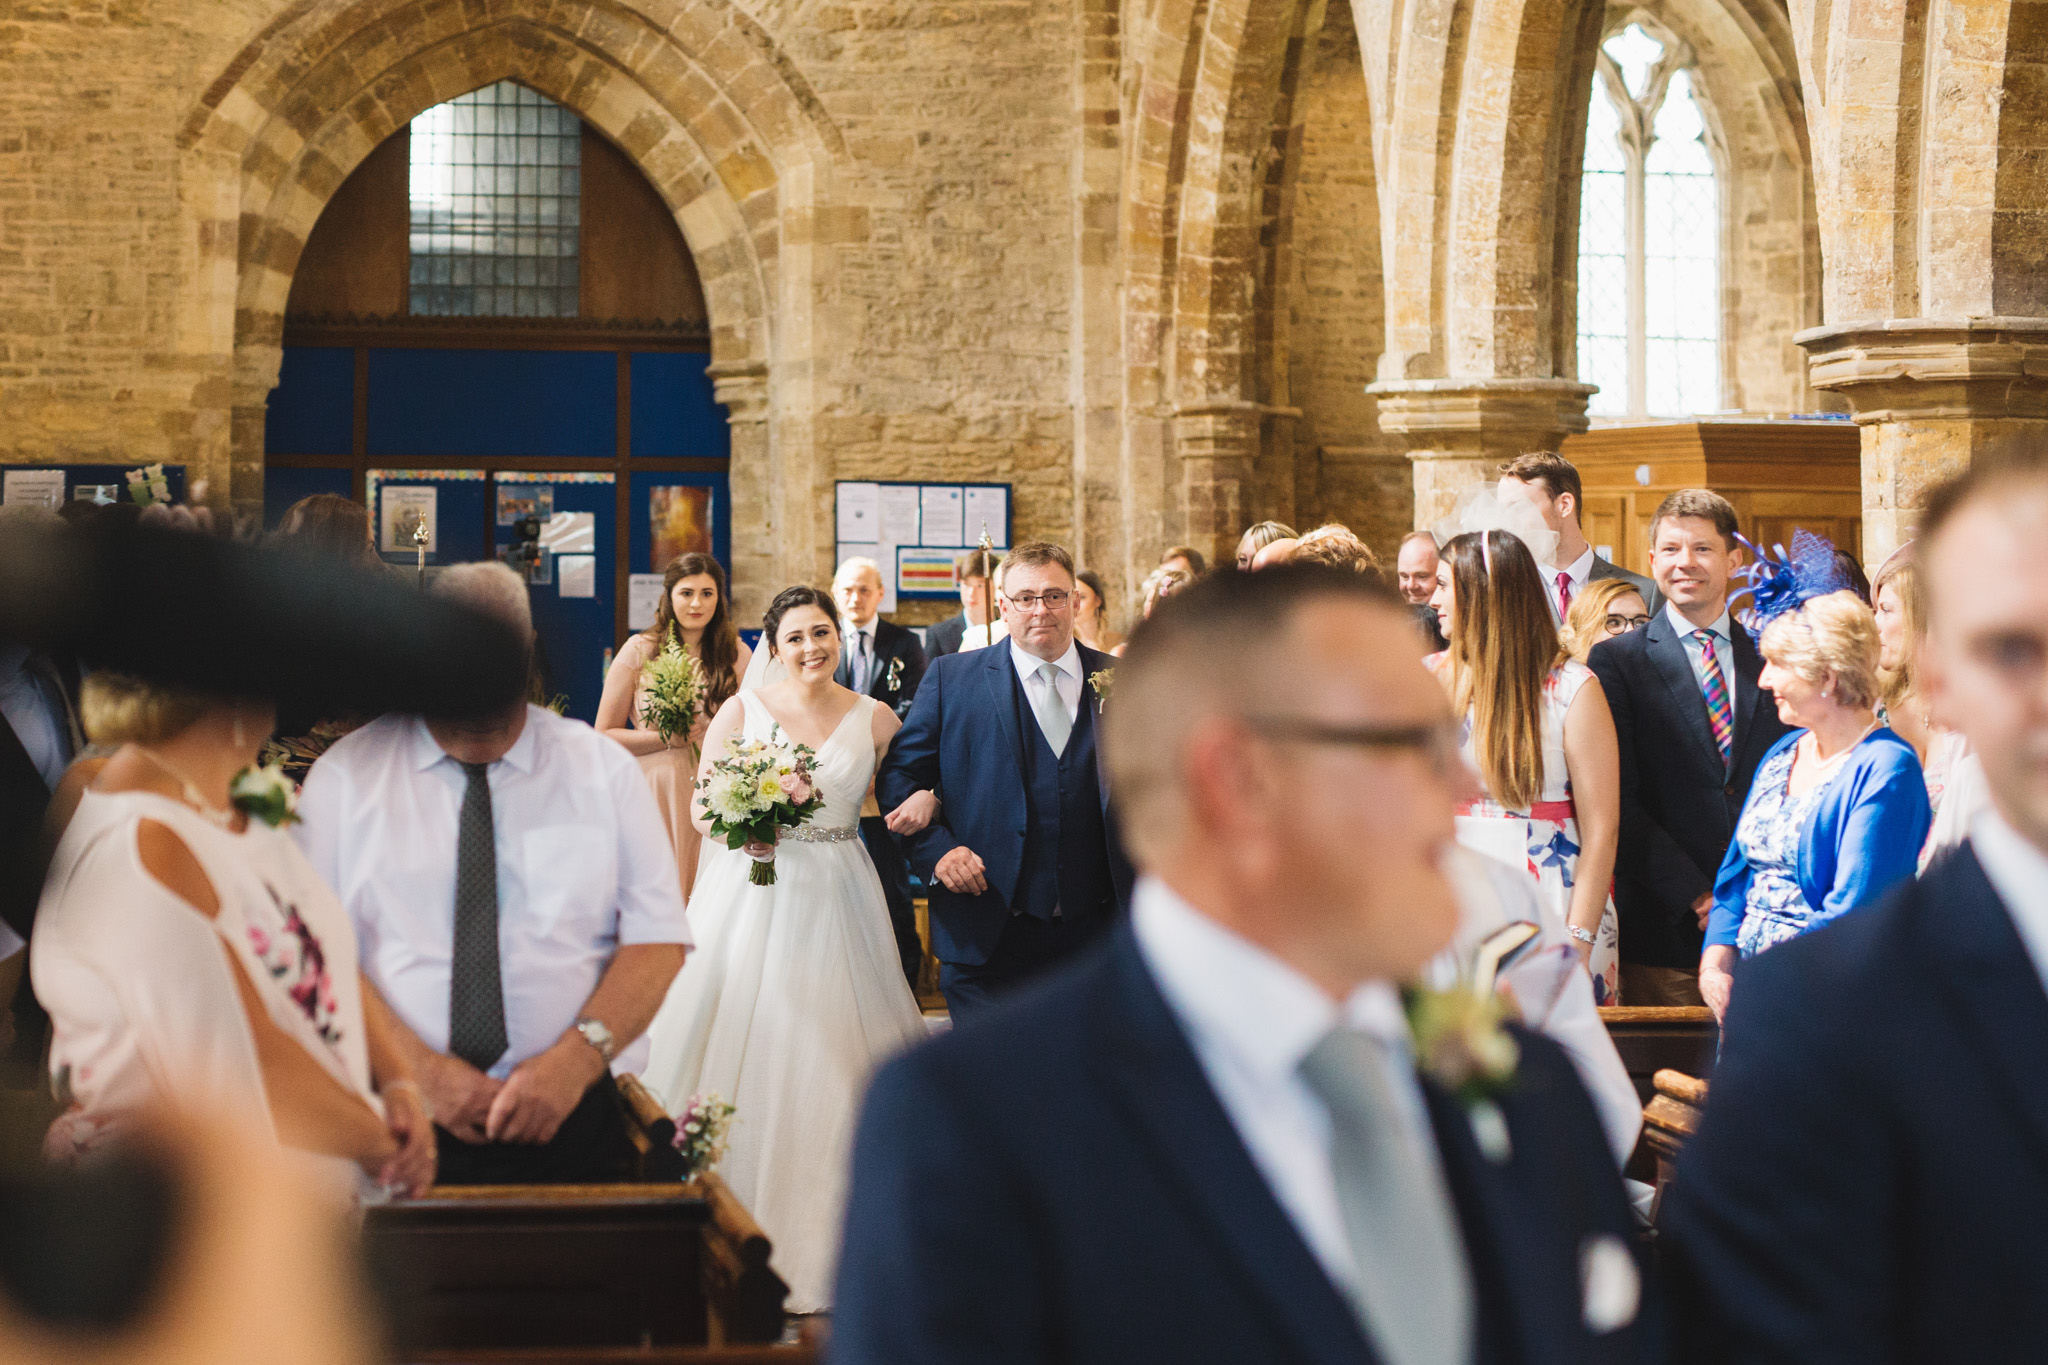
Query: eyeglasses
point(1030, 601)
point(1437, 743)
point(1622, 625)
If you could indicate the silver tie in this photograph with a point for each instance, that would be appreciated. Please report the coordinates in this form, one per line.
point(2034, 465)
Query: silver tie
point(1050, 710)
point(1414, 1289)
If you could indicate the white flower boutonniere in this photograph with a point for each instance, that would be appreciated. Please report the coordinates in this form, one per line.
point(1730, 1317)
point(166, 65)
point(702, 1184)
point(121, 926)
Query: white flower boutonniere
point(1460, 1044)
point(1102, 680)
point(265, 794)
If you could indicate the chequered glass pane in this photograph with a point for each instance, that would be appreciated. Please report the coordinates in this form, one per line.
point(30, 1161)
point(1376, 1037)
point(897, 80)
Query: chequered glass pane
point(496, 206)
point(1604, 361)
point(1682, 260)
point(1603, 133)
point(1603, 260)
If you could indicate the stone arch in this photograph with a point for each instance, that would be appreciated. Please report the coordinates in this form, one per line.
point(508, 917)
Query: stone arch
point(692, 90)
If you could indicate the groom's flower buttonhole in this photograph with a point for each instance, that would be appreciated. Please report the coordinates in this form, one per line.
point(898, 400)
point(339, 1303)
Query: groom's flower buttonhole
point(701, 1133)
point(265, 794)
point(1460, 1044)
point(1102, 680)
point(894, 682)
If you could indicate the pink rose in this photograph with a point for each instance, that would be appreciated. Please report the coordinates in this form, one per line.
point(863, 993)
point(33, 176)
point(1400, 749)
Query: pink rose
point(796, 787)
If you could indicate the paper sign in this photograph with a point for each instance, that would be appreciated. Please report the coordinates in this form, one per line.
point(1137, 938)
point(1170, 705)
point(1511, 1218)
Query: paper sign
point(941, 510)
point(516, 500)
point(899, 514)
point(885, 560)
point(577, 574)
point(33, 488)
point(925, 572)
point(570, 533)
point(988, 507)
point(643, 600)
point(860, 512)
point(401, 511)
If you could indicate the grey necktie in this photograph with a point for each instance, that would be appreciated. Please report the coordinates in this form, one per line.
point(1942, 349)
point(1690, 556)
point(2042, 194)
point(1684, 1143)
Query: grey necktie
point(862, 666)
point(1050, 710)
point(476, 996)
point(1414, 1289)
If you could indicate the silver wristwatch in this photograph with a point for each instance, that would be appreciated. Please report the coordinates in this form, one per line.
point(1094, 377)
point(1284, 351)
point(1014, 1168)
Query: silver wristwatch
point(598, 1036)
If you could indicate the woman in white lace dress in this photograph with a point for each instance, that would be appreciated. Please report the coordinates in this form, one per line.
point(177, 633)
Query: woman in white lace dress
point(795, 992)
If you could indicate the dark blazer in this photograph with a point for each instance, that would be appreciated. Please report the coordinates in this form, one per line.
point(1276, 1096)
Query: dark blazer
point(1644, 587)
point(1057, 1181)
point(24, 797)
point(1678, 803)
point(1871, 1176)
point(964, 740)
point(899, 665)
point(945, 637)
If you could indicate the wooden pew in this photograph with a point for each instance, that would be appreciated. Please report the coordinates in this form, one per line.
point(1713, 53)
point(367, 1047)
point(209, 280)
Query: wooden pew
point(1656, 1039)
point(1669, 1120)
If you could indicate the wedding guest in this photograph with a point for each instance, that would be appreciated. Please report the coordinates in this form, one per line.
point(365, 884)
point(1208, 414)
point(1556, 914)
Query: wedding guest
point(972, 570)
point(1538, 732)
point(1335, 547)
point(1866, 1183)
point(1186, 558)
point(1955, 779)
point(1210, 1139)
point(516, 897)
point(1838, 811)
point(188, 954)
point(1022, 861)
point(1091, 613)
point(1607, 608)
point(1159, 585)
point(881, 660)
point(1692, 725)
point(1550, 483)
point(695, 613)
point(1275, 552)
point(1415, 568)
point(1852, 576)
point(329, 524)
point(1256, 538)
point(39, 736)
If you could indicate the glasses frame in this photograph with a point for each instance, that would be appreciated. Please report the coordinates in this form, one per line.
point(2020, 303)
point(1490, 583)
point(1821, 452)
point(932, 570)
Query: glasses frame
point(1036, 601)
point(1628, 623)
point(1435, 741)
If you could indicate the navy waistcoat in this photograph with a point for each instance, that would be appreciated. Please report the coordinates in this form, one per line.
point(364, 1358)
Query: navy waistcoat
point(1066, 844)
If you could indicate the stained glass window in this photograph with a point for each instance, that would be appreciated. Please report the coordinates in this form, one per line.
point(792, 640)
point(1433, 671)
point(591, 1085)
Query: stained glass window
point(1649, 236)
point(496, 206)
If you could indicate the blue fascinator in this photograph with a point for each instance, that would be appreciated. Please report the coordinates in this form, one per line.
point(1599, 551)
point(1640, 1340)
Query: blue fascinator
point(1776, 586)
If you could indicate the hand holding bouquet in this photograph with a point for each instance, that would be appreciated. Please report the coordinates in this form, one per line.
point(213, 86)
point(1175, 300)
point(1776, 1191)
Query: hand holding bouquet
point(757, 788)
point(675, 686)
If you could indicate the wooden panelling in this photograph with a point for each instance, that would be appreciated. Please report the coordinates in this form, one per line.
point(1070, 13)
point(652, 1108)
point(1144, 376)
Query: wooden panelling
point(358, 255)
point(635, 264)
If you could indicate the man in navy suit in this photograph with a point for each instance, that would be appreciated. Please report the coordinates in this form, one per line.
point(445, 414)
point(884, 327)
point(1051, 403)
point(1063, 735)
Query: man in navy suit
point(1207, 1140)
point(1871, 1176)
point(1023, 859)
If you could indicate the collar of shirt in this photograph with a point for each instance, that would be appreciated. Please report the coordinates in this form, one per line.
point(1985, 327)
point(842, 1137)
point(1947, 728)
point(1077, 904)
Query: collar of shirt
point(1068, 663)
point(2018, 872)
point(849, 628)
point(1580, 569)
point(427, 751)
point(1685, 628)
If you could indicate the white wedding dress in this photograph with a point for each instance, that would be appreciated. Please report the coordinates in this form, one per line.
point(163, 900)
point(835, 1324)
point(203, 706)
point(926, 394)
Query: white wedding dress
point(792, 997)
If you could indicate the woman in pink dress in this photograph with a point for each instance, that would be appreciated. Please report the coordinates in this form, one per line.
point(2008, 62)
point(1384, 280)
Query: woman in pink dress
point(695, 610)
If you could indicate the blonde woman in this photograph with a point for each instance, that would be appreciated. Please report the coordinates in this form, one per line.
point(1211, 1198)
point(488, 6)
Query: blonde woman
point(1538, 733)
point(1608, 607)
point(1838, 810)
point(1955, 779)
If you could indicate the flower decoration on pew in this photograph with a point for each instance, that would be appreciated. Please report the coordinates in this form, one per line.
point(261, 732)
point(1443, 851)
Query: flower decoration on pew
point(1775, 586)
point(701, 1133)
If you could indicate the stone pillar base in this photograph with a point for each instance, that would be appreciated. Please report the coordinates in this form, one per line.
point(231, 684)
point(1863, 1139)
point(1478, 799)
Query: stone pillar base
point(1932, 396)
point(1458, 432)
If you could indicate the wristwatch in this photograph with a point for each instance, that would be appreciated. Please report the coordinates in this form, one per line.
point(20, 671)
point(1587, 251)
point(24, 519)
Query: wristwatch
point(598, 1036)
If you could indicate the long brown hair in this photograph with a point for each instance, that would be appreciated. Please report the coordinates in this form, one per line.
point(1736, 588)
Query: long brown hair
point(718, 651)
point(1503, 648)
point(1903, 572)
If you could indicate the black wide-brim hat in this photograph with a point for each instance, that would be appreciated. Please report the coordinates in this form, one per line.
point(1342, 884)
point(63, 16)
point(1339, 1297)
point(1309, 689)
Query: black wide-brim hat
point(274, 622)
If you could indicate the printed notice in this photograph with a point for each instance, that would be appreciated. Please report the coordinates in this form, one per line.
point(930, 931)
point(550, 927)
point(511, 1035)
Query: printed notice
point(403, 511)
point(643, 600)
point(860, 512)
point(940, 507)
point(576, 575)
point(33, 488)
point(988, 507)
point(899, 514)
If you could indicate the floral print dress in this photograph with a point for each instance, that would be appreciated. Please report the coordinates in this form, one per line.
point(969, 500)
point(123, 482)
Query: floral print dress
point(1769, 834)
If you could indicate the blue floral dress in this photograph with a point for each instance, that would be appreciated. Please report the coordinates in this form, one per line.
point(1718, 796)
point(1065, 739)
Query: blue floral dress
point(1769, 833)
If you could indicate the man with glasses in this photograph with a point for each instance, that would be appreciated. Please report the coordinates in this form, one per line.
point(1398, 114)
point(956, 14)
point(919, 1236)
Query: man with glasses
point(1210, 1140)
point(1022, 859)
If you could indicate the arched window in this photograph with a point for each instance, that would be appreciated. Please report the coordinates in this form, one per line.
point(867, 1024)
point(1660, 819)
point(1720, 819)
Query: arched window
point(1649, 236)
point(495, 206)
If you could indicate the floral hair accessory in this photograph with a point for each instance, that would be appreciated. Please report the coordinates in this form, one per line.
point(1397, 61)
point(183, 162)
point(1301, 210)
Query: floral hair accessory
point(1481, 509)
point(1788, 582)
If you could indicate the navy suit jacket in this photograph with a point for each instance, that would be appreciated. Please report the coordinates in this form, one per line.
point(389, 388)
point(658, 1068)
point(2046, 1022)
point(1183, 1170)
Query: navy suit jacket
point(962, 739)
point(1056, 1181)
point(899, 665)
point(1870, 1180)
point(1678, 804)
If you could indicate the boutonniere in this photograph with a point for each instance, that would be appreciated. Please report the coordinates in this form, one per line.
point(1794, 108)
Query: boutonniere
point(1102, 680)
point(894, 680)
point(1460, 1044)
point(265, 794)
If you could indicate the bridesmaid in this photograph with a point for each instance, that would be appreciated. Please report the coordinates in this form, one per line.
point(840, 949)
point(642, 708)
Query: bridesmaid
point(695, 608)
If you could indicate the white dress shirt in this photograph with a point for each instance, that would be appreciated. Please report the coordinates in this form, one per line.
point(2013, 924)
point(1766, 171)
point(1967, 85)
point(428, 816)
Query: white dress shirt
point(584, 868)
point(1723, 649)
point(1067, 683)
point(2018, 872)
point(1581, 572)
point(1252, 1019)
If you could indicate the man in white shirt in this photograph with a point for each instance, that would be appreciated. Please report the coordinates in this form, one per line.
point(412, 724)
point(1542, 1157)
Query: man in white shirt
point(516, 904)
point(1211, 1138)
point(1550, 483)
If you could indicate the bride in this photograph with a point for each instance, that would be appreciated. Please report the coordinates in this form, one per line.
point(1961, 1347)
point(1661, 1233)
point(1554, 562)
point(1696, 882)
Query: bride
point(794, 993)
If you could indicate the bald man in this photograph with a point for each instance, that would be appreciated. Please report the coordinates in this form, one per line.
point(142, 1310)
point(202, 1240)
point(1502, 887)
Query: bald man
point(1208, 1139)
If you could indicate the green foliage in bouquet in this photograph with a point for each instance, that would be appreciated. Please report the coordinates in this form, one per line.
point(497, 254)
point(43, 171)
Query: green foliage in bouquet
point(675, 687)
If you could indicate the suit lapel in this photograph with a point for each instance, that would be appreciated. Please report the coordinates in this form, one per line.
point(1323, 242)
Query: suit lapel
point(1153, 1075)
point(1990, 980)
point(1667, 655)
point(996, 672)
point(1748, 696)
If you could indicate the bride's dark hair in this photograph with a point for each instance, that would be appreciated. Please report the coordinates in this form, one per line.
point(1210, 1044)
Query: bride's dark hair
point(787, 601)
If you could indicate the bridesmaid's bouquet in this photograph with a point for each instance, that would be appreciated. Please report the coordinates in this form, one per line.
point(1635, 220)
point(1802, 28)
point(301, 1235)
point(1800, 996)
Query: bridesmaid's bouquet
point(675, 687)
point(756, 788)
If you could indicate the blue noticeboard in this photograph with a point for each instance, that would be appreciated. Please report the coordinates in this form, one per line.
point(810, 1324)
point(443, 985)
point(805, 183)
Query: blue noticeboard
point(102, 475)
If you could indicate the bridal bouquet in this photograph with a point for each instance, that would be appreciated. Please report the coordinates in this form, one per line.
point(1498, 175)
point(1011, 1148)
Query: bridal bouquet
point(675, 686)
point(757, 788)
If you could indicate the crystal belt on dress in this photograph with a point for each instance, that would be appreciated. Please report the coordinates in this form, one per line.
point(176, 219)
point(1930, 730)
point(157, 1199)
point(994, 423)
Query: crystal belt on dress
point(823, 834)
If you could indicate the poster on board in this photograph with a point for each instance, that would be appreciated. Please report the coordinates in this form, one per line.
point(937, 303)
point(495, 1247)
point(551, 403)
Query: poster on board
point(33, 488)
point(679, 519)
point(401, 512)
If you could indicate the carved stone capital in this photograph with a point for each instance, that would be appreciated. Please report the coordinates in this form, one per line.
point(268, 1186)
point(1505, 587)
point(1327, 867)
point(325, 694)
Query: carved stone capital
point(1933, 369)
point(742, 388)
point(1455, 417)
point(1229, 429)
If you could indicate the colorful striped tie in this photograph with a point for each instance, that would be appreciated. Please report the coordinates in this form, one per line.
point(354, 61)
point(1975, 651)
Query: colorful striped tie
point(1720, 714)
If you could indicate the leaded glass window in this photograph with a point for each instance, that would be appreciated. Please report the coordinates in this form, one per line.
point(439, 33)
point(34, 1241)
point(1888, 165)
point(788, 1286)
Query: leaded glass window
point(1649, 236)
point(496, 206)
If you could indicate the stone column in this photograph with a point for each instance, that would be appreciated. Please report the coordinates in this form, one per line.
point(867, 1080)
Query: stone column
point(1932, 396)
point(1218, 445)
point(757, 572)
point(1459, 431)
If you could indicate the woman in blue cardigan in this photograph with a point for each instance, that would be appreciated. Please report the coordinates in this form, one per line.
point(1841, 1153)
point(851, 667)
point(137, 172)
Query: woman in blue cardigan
point(1838, 810)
